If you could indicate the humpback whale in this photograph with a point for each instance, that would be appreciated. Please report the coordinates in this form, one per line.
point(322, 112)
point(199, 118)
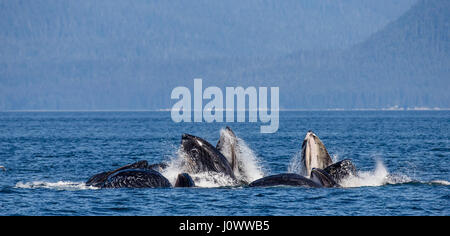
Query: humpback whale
point(98, 179)
point(317, 166)
point(137, 175)
point(184, 180)
point(2, 168)
point(319, 178)
point(314, 154)
point(323, 178)
point(201, 156)
point(341, 170)
point(136, 178)
point(289, 179)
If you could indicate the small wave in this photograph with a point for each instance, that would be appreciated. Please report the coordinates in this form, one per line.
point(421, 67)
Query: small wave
point(60, 185)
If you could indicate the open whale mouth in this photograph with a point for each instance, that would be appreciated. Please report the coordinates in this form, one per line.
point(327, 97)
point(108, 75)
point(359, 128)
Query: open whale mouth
point(314, 154)
point(323, 178)
point(201, 156)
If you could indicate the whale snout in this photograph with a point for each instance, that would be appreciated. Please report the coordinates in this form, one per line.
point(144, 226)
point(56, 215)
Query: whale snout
point(186, 136)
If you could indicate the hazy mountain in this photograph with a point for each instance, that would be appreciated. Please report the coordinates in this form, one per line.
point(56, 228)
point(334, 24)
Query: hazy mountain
point(183, 29)
point(405, 64)
point(129, 55)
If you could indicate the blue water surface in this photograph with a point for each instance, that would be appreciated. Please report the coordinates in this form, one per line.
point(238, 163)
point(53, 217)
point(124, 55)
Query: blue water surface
point(48, 156)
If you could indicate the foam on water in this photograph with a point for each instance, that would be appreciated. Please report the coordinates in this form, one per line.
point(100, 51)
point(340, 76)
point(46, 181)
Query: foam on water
point(60, 185)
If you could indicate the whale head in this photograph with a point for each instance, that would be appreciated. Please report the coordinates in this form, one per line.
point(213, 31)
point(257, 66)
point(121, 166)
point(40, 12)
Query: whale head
point(341, 170)
point(323, 178)
point(201, 156)
point(184, 180)
point(314, 154)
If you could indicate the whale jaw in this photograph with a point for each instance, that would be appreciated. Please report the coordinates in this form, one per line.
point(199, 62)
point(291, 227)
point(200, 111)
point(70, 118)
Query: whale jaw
point(314, 154)
point(323, 178)
point(201, 156)
point(341, 170)
point(227, 146)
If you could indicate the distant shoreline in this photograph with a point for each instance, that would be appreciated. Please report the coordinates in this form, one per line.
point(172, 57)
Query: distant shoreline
point(281, 110)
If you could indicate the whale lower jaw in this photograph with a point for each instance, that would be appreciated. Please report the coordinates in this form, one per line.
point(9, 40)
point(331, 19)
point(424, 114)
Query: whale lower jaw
point(314, 154)
point(200, 156)
point(227, 145)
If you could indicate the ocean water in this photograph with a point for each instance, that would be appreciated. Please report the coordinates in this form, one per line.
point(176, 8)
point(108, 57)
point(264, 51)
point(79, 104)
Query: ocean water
point(403, 159)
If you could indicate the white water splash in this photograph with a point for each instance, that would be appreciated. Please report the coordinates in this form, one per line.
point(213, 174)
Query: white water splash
point(249, 166)
point(296, 166)
point(206, 179)
point(212, 180)
point(440, 182)
point(175, 166)
point(60, 185)
point(378, 177)
point(335, 158)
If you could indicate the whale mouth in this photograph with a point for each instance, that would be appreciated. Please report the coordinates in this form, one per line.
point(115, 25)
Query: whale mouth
point(321, 177)
point(314, 154)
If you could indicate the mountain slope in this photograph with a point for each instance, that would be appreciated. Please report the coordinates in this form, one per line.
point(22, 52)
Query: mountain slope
point(116, 55)
point(405, 64)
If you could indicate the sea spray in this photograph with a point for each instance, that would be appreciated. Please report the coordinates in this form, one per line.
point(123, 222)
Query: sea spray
point(248, 167)
point(248, 164)
point(378, 177)
point(178, 165)
point(175, 166)
point(296, 166)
